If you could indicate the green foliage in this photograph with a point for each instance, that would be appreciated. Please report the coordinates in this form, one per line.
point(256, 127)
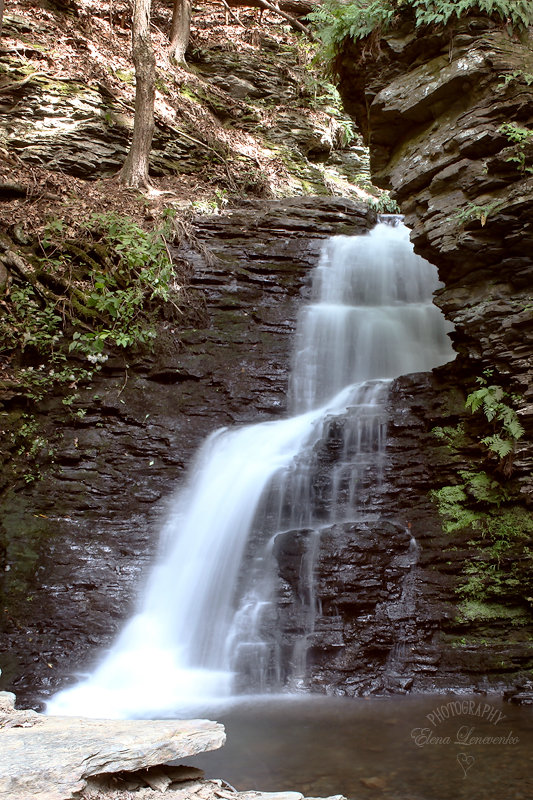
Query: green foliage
point(518, 137)
point(473, 610)
point(472, 211)
point(517, 76)
point(483, 488)
point(486, 504)
point(503, 565)
point(123, 296)
point(462, 505)
point(29, 444)
point(112, 304)
point(452, 502)
point(385, 204)
point(31, 326)
point(489, 399)
point(454, 437)
point(337, 20)
point(515, 133)
point(52, 230)
point(518, 13)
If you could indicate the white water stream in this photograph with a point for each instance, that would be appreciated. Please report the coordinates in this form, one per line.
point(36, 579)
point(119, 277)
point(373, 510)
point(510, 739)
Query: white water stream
point(371, 319)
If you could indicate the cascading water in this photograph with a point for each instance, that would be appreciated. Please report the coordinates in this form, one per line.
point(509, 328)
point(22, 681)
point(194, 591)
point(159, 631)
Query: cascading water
point(203, 630)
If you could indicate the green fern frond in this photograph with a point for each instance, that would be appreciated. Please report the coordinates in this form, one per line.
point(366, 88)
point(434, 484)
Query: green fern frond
point(497, 445)
point(336, 21)
point(483, 488)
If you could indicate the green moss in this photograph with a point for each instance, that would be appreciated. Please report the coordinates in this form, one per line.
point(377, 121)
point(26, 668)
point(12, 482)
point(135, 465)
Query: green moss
point(185, 91)
point(125, 75)
point(22, 534)
point(474, 610)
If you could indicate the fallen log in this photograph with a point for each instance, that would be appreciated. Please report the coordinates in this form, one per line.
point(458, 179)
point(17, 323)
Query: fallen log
point(297, 8)
point(279, 9)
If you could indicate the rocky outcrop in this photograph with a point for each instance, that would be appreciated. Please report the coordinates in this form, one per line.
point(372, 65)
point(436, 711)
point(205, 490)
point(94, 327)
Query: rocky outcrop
point(51, 758)
point(75, 545)
point(82, 125)
point(447, 114)
point(59, 758)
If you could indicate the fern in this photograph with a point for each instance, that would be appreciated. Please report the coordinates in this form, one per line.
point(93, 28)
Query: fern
point(500, 447)
point(452, 504)
point(483, 488)
point(337, 21)
point(510, 421)
point(432, 12)
point(490, 398)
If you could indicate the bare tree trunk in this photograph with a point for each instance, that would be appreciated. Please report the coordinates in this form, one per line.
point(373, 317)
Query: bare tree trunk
point(179, 30)
point(135, 170)
point(1, 16)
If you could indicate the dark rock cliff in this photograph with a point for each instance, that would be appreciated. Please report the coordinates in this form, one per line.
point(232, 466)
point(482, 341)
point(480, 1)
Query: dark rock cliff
point(447, 115)
point(433, 109)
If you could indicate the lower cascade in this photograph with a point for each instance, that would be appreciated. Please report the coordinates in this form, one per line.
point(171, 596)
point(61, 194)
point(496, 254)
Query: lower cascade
point(206, 628)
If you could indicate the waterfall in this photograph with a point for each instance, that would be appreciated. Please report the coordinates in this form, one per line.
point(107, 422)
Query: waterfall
point(204, 629)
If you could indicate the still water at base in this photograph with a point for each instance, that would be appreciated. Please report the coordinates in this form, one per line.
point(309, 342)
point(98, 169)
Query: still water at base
point(445, 747)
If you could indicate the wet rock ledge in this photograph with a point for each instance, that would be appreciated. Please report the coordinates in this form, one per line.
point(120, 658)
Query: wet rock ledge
point(58, 758)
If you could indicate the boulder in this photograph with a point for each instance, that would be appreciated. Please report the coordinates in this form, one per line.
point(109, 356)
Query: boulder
point(51, 758)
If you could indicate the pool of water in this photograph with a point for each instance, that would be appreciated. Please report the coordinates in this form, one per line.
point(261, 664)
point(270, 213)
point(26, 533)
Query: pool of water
point(445, 747)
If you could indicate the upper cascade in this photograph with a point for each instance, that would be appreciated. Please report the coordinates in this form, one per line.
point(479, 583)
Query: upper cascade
point(371, 316)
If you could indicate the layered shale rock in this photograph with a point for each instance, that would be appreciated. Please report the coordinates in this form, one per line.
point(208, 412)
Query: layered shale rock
point(384, 615)
point(446, 113)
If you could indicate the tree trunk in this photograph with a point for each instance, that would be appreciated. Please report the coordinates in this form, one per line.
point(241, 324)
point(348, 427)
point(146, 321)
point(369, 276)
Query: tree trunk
point(179, 30)
point(1, 16)
point(135, 170)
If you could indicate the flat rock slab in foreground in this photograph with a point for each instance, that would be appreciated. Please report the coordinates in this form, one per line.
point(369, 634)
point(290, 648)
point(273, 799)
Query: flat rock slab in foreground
point(50, 758)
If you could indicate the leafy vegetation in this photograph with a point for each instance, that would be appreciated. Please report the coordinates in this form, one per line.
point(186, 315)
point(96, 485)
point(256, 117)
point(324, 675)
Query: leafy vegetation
point(70, 305)
point(518, 76)
point(85, 296)
point(29, 444)
point(140, 273)
point(507, 430)
point(485, 503)
point(337, 21)
point(385, 204)
point(472, 211)
point(519, 138)
point(35, 328)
